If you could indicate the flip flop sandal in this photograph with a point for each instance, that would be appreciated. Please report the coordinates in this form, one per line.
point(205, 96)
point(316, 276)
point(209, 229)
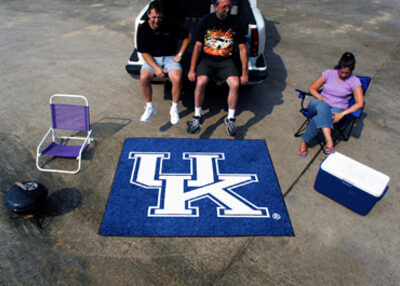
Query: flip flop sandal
point(329, 150)
point(302, 153)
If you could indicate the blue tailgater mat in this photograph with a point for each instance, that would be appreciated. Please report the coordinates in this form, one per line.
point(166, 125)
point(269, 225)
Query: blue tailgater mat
point(195, 187)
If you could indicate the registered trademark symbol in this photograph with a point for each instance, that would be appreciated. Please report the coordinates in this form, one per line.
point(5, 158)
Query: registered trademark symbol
point(276, 216)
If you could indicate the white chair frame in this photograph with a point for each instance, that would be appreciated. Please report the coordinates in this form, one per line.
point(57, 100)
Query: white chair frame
point(86, 140)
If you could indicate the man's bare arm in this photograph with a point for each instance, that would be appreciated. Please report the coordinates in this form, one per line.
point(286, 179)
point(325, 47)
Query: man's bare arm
point(158, 70)
point(244, 60)
point(193, 62)
point(185, 44)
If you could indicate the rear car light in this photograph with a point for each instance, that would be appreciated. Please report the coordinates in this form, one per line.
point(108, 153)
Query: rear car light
point(254, 42)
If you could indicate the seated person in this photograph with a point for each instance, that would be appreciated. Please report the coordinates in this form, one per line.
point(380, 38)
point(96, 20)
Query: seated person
point(331, 105)
point(157, 41)
point(218, 34)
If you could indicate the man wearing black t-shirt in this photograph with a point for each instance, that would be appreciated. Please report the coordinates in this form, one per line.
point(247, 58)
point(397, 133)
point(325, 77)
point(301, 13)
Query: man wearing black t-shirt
point(157, 41)
point(219, 33)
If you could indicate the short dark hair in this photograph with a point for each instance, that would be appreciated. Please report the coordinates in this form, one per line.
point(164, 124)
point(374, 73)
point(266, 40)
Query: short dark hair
point(156, 5)
point(347, 61)
point(216, 2)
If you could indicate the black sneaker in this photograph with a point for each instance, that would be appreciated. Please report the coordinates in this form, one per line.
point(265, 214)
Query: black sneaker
point(230, 126)
point(194, 125)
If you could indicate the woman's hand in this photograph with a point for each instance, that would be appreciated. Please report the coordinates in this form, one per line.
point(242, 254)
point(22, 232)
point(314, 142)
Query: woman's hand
point(337, 117)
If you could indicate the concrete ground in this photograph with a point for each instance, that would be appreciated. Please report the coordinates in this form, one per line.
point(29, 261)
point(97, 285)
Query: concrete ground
point(81, 47)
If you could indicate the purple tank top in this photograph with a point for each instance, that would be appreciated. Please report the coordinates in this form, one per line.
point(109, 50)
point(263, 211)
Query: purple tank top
point(338, 93)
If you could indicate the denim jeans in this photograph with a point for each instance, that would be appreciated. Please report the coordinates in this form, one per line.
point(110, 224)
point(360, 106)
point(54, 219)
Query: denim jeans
point(321, 113)
point(166, 63)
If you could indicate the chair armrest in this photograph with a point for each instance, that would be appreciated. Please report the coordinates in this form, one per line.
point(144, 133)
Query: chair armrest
point(44, 138)
point(302, 94)
point(87, 140)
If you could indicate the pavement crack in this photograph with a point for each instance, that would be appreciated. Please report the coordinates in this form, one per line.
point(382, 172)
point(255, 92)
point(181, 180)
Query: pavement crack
point(238, 254)
point(302, 173)
point(244, 247)
point(386, 60)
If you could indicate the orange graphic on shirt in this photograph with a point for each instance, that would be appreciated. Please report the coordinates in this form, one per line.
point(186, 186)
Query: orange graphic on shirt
point(218, 42)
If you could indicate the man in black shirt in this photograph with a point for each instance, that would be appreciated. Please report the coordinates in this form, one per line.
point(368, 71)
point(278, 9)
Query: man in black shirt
point(157, 41)
point(217, 37)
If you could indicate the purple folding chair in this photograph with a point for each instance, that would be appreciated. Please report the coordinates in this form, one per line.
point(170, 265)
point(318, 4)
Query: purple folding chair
point(66, 117)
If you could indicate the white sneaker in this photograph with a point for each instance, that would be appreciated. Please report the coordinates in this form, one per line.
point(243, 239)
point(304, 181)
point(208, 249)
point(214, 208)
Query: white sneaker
point(148, 113)
point(174, 116)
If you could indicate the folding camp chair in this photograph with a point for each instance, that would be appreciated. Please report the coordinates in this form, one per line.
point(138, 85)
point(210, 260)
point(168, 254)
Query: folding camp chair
point(340, 127)
point(65, 119)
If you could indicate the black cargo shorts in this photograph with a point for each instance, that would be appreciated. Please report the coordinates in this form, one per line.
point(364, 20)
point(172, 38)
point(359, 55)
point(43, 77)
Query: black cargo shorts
point(221, 69)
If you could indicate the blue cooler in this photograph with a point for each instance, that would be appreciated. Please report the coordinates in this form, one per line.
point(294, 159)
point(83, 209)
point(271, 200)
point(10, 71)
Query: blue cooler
point(350, 183)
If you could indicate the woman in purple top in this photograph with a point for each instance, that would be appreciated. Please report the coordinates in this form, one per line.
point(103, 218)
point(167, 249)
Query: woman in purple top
point(332, 104)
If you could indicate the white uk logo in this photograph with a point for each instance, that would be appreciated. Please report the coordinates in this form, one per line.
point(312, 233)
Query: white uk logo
point(178, 192)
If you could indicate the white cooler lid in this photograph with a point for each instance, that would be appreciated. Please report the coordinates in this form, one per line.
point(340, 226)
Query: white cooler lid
point(356, 174)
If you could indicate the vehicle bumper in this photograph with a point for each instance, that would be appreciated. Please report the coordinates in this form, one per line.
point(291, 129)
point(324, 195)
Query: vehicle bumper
point(258, 71)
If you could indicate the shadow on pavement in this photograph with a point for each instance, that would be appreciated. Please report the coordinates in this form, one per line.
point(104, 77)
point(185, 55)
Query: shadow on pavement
point(61, 202)
point(108, 126)
point(263, 97)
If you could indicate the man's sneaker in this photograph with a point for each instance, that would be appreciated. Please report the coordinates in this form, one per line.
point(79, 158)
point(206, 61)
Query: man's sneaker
point(174, 116)
point(194, 125)
point(148, 113)
point(230, 126)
